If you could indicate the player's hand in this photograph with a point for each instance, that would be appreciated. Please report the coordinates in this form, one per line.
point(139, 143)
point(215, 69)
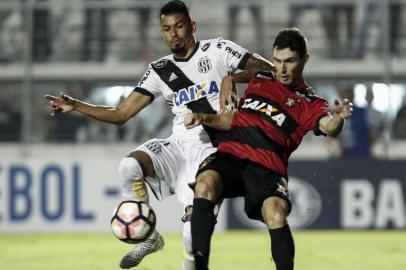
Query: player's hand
point(228, 94)
point(343, 108)
point(61, 103)
point(192, 120)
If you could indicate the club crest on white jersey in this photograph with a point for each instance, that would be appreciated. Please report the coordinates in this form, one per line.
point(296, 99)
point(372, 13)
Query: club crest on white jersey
point(204, 65)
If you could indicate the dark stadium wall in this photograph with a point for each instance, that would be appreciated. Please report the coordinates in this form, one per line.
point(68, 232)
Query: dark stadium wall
point(340, 194)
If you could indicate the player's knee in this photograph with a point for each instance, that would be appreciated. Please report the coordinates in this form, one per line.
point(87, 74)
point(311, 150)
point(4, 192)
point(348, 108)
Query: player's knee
point(201, 190)
point(132, 180)
point(130, 169)
point(145, 161)
point(208, 186)
point(275, 212)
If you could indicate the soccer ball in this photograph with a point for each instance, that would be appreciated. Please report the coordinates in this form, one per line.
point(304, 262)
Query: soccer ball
point(133, 221)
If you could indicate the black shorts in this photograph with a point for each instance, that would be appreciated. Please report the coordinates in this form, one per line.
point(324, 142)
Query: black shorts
point(244, 178)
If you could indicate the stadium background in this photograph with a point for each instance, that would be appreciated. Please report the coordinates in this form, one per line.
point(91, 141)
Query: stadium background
point(60, 174)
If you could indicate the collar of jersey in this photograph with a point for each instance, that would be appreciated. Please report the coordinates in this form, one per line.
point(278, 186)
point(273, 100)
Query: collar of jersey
point(190, 56)
point(301, 87)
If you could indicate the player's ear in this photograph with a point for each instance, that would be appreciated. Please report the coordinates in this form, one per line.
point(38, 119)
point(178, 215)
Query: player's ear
point(163, 35)
point(306, 58)
point(193, 25)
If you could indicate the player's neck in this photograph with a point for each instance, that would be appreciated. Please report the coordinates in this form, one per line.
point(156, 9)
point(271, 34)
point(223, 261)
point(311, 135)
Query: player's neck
point(299, 81)
point(296, 85)
point(186, 53)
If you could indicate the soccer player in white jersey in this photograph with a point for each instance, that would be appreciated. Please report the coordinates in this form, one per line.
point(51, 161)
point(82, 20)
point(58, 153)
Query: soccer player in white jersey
point(190, 80)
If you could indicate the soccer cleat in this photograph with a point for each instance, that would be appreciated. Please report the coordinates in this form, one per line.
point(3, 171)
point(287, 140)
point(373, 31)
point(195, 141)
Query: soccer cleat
point(134, 257)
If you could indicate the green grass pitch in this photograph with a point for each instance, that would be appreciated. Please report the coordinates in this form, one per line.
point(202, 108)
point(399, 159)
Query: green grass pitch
point(315, 250)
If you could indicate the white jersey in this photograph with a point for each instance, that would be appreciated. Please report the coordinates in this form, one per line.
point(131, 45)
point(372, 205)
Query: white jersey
point(193, 84)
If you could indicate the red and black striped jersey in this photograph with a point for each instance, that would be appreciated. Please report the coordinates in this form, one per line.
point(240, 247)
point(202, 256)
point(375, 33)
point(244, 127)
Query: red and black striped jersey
point(271, 121)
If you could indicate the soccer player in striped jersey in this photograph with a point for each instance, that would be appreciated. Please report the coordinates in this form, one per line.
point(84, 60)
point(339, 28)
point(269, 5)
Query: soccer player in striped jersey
point(273, 116)
point(190, 80)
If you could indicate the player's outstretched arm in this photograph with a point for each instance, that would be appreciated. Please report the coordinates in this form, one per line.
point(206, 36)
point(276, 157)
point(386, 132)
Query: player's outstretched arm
point(220, 121)
point(333, 125)
point(134, 103)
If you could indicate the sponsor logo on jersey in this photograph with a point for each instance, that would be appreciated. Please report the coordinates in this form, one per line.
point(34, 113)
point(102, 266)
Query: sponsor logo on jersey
point(233, 52)
point(195, 92)
point(161, 63)
point(205, 47)
point(145, 77)
point(265, 108)
point(204, 65)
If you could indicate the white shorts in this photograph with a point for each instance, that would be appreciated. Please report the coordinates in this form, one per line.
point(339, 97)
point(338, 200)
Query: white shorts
point(176, 162)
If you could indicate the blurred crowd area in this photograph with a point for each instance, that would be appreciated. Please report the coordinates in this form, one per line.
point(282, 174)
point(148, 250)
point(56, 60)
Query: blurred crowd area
point(97, 50)
point(128, 30)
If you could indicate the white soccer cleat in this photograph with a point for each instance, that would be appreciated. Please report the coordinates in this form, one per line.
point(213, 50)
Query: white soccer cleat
point(154, 243)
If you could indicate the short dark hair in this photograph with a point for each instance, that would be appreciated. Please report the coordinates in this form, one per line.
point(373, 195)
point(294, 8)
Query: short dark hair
point(293, 39)
point(175, 6)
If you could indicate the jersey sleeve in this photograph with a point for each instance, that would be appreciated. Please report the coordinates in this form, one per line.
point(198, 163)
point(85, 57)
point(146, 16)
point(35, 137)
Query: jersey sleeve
point(234, 56)
point(315, 111)
point(149, 84)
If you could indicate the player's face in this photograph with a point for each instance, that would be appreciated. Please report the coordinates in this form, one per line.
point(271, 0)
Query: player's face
point(289, 66)
point(178, 32)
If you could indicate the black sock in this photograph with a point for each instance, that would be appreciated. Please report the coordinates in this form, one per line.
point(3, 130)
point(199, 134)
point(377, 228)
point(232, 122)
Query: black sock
point(282, 247)
point(202, 229)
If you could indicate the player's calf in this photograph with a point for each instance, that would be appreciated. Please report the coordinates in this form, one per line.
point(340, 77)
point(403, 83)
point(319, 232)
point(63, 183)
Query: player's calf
point(203, 221)
point(275, 211)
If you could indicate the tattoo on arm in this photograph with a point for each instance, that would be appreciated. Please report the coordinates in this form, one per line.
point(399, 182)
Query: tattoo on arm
point(242, 77)
point(253, 65)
